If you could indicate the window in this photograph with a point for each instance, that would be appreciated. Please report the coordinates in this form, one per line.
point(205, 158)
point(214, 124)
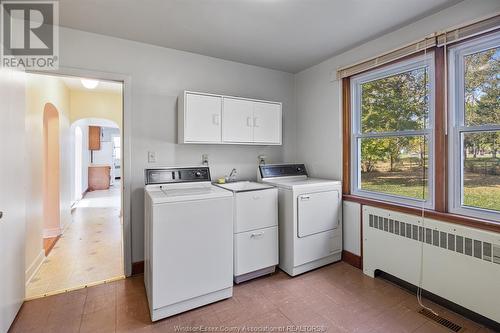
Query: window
point(424, 130)
point(474, 133)
point(392, 132)
point(117, 152)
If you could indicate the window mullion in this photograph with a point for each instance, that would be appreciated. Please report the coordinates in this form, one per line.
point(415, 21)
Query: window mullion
point(481, 128)
point(393, 134)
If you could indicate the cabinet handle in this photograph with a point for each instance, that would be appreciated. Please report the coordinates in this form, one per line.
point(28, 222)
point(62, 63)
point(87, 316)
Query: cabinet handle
point(215, 119)
point(249, 121)
point(1, 215)
point(255, 122)
point(305, 197)
point(257, 234)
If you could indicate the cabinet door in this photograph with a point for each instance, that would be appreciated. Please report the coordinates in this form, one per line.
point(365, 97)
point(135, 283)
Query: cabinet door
point(267, 123)
point(94, 138)
point(256, 210)
point(237, 120)
point(255, 250)
point(202, 118)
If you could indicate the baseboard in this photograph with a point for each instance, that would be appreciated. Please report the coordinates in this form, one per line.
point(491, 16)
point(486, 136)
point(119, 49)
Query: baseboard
point(49, 233)
point(352, 259)
point(137, 267)
point(35, 265)
point(49, 243)
point(73, 206)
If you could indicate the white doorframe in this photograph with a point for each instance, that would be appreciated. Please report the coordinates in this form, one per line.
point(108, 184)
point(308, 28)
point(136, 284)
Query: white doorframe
point(126, 80)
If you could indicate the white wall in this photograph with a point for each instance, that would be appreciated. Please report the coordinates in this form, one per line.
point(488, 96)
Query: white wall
point(351, 212)
point(158, 76)
point(84, 126)
point(318, 96)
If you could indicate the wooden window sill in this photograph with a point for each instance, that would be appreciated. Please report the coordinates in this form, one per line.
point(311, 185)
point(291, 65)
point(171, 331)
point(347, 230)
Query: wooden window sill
point(441, 216)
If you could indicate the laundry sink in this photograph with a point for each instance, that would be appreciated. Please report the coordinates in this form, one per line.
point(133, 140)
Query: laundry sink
point(244, 186)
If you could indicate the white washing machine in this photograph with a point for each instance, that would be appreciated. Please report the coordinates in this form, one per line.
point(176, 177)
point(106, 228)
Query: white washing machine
point(188, 240)
point(310, 217)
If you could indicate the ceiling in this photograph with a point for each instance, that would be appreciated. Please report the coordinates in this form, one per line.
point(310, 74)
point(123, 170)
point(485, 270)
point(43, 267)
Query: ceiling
point(75, 83)
point(288, 35)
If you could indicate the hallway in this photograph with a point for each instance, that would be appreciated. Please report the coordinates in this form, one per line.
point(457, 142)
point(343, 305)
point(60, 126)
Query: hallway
point(89, 251)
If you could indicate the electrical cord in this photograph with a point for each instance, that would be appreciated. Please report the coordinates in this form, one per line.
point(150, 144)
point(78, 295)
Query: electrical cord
point(421, 271)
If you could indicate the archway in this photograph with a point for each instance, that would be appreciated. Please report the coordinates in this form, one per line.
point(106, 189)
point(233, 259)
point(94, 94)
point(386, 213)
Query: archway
point(51, 172)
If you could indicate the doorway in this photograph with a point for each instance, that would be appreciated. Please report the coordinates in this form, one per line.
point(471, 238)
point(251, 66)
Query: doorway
point(82, 184)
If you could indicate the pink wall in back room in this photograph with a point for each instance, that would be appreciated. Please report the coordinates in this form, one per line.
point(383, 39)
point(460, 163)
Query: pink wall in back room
point(51, 197)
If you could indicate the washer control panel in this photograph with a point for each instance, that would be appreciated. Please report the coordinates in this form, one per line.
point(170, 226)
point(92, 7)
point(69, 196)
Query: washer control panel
point(177, 175)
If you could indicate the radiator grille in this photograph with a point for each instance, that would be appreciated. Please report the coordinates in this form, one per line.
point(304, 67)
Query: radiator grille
point(457, 243)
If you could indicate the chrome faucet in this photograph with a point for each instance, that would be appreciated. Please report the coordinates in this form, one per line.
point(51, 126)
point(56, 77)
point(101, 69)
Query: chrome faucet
point(232, 176)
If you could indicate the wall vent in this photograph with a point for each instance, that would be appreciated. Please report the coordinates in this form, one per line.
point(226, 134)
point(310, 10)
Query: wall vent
point(456, 243)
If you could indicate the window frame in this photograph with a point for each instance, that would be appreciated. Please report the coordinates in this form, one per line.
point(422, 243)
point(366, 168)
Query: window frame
point(457, 126)
point(356, 134)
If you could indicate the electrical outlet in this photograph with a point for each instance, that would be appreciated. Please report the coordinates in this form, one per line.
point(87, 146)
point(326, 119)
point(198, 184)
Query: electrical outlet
point(204, 159)
point(151, 157)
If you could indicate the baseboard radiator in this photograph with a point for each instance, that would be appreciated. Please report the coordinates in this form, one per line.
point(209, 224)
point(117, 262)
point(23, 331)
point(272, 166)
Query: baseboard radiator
point(460, 264)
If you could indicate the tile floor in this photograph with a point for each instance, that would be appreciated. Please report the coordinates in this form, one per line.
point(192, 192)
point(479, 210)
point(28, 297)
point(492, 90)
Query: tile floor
point(337, 297)
point(90, 249)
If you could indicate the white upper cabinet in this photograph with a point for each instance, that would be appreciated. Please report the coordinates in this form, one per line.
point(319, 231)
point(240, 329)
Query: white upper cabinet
point(200, 121)
point(237, 115)
point(216, 119)
point(249, 121)
point(267, 122)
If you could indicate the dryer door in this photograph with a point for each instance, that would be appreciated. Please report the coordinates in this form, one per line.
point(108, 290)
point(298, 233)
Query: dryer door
point(317, 212)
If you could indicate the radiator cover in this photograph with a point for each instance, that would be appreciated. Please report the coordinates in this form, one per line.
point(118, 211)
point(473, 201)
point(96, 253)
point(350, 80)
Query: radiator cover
point(460, 264)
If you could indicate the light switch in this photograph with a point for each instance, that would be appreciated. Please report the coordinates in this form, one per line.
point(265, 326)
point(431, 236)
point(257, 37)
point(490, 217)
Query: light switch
point(151, 157)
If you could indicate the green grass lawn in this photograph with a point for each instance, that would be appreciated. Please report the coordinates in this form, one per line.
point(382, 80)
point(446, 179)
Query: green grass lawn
point(482, 191)
point(403, 183)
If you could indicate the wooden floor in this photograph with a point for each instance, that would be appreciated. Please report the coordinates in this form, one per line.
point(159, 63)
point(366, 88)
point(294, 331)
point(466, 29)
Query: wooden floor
point(336, 298)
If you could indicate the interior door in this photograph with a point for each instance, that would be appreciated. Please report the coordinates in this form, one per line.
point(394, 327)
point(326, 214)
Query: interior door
point(267, 122)
point(317, 212)
point(12, 195)
point(203, 123)
point(237, 120)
